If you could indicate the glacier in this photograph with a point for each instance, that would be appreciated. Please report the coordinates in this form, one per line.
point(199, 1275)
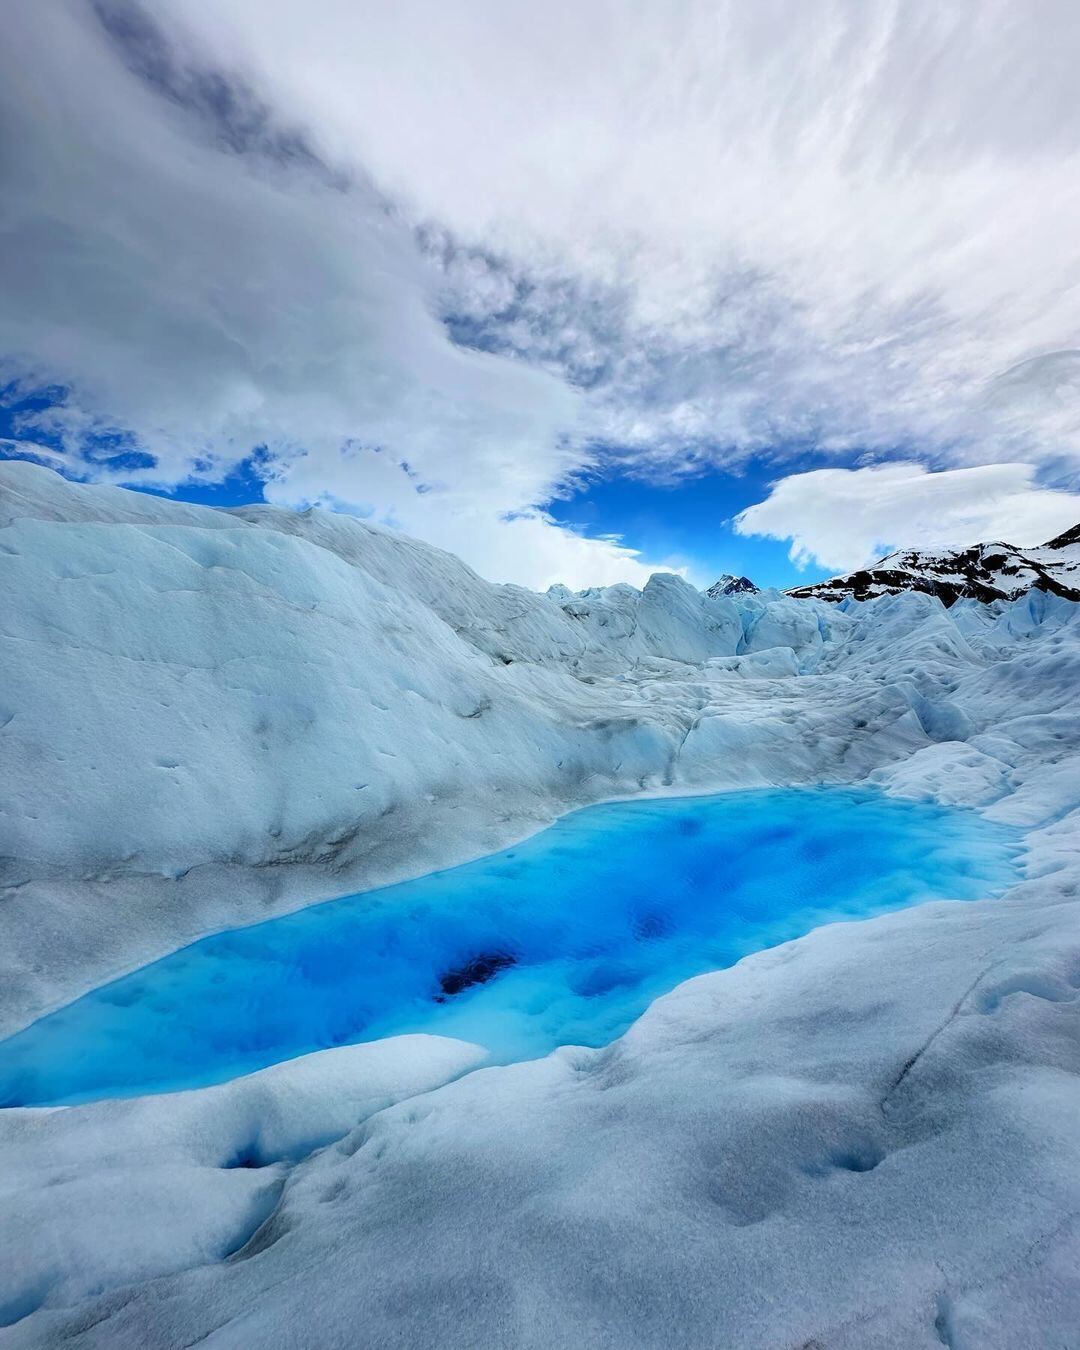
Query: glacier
point(865, 1137)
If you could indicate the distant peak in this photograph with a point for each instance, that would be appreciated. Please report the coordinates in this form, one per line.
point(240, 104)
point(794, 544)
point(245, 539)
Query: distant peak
point(729, 584)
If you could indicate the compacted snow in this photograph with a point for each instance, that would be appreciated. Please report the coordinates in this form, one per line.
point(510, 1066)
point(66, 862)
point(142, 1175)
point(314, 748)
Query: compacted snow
point(866, 1137)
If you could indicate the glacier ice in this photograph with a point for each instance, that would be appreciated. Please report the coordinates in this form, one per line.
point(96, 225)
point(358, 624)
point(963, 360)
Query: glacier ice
point(863, 1138)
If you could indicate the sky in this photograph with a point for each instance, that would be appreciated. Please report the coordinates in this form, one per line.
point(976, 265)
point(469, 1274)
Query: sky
point(578, 291)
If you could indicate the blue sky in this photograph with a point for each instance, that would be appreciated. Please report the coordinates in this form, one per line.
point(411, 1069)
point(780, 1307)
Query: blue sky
point(688, 523)
point(444, 263)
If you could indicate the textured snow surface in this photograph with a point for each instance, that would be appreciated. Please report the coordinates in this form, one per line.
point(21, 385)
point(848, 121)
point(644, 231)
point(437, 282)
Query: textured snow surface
point(864, 1138)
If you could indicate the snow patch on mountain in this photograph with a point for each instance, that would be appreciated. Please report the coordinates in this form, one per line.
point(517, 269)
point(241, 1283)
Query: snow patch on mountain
point(985, 572)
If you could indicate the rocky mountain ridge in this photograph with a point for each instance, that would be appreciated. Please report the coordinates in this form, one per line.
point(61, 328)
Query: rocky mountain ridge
point(986, 572)
point(729, 584)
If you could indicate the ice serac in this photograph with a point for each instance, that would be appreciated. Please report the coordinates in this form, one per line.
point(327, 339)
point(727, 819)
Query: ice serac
point(862, 1140)
point(984, 572)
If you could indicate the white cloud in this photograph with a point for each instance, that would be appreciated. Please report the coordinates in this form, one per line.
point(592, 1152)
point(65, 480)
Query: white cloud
point(712, 230)
point(845, 518)
point(836, 222)
point(209, 300)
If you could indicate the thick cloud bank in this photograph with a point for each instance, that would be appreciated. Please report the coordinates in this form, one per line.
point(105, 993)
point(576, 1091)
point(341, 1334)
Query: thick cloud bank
point(434, 261)
point(202, 284)
point(739, 226)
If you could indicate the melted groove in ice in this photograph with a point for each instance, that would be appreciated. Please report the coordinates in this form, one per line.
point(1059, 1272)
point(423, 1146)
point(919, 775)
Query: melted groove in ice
point(563, 939)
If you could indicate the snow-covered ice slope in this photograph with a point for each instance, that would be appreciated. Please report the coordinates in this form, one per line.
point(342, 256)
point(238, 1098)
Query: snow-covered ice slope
point(864, 1138)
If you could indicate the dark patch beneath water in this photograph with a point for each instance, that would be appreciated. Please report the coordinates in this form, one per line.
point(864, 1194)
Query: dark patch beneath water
point(476, 970)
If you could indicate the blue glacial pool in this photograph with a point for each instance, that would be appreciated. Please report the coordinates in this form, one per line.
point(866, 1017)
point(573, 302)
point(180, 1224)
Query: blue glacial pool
point(561, 940)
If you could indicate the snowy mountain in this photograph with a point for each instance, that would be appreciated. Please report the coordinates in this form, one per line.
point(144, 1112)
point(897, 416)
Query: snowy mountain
point(729, 584)
point(863, 1138)
point(983, 572)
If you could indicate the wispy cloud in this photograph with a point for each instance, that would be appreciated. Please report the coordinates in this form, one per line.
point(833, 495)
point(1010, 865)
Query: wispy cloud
point(736, 226)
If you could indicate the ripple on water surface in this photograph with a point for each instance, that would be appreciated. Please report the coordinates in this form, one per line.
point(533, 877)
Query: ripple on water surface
point(562, 939)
